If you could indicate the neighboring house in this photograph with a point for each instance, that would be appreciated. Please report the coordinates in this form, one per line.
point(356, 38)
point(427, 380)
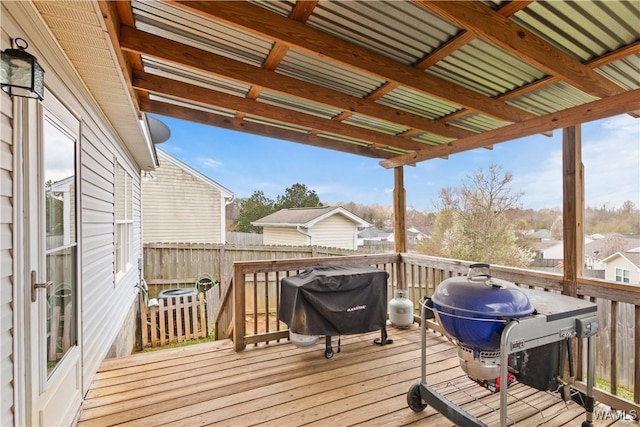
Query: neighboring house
point(327, 226)
point(623, 267)
point(70, 214)
point(374, 235)
point(414, 235)
point(602, 246)
point(180, 204)
point(554, 249)
point(597, 247)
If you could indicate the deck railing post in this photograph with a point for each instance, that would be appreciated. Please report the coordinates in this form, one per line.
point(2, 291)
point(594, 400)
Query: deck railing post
point(238, 308)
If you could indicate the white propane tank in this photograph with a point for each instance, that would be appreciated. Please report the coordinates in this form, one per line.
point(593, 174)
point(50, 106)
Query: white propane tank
point(401, 309)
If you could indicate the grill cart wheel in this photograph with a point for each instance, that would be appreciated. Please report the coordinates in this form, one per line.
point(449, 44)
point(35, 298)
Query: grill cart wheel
point(414, 400)
point(328, 353)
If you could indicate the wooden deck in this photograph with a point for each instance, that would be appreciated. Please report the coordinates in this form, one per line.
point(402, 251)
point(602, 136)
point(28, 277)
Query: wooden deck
point(280, 384)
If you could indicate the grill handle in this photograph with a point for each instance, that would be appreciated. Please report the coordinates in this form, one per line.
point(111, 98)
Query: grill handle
point(479, 270)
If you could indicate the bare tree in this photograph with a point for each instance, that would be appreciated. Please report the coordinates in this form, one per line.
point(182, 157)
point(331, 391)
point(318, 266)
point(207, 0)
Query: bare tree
point(474, 222)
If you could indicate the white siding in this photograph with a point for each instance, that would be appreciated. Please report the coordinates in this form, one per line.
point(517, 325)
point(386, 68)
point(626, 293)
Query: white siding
point(283, 236)
point(178, 207)
point(6, 258)
point(335, 231)
point(623, 263)
point(105, 304)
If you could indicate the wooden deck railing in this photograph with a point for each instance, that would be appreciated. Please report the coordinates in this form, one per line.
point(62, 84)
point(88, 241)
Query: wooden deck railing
point(256, 286)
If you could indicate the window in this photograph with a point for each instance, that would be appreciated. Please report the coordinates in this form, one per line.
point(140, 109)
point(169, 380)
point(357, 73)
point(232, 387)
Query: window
point(622, 275)
point(124, 220)
point(61, 244)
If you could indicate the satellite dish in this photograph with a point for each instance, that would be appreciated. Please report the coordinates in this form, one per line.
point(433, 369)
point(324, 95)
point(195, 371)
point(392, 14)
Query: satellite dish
point(158, 130)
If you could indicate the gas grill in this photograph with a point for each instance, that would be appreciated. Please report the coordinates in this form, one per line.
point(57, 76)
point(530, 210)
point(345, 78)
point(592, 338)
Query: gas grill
point(335, 300)
point(496, 326)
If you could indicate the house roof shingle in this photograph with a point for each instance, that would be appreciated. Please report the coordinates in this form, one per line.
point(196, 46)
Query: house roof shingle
point(306, 217)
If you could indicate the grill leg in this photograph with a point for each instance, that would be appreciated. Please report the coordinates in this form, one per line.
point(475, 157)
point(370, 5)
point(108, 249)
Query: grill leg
point(383, 338)
point(328, 351)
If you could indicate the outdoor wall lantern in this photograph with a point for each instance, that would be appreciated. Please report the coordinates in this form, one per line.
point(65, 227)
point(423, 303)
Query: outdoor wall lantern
point(21, 75)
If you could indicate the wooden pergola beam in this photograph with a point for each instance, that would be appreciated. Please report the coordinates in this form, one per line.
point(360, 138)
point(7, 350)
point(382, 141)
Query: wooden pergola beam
point(254, 19)
point(490, 25)
point(216, 99)
point(147, 44)
point(614, 105)
point(238, 124)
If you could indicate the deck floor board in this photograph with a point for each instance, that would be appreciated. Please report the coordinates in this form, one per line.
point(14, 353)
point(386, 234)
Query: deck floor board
point(281, 385)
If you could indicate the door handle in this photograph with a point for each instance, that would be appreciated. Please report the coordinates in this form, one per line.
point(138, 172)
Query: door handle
point(35, 286)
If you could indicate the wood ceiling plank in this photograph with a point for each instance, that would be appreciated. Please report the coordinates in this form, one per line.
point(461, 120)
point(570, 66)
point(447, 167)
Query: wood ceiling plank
point(171, 51)
point(596, 110)
point(212, 98)
point(491, 26)
point(259, 21)
point(240, 125)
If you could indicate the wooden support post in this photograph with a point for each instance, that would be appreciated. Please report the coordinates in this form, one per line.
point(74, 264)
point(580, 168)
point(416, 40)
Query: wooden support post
point(400, 227)
point(572, 217)
point(573, 208)
point(399, 210)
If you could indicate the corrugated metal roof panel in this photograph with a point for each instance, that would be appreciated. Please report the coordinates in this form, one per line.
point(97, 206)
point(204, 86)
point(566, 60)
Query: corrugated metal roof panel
point(277, 124)
point(191, 29)
point(375, 26)
point(485, 68)
point(550, 99)
point(359, 142)
point(297, 104)
point(418, 103)
point(316, 70)
point(342, 138)
point(430, 139)
point(282, 7)
point(625, 72)
point(478, 123)
point(194, 77)
point(583, 29)
point(375, 124)
point(192, 105)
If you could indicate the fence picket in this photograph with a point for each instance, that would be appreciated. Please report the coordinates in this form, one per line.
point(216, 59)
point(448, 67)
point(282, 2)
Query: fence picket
point(175, 320)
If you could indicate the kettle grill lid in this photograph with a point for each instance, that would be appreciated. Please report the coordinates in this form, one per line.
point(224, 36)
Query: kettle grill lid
point(482, 295)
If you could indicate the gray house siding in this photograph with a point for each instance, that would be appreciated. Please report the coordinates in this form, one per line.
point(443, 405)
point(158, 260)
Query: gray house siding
point(283, 236)
point(335, 231)
point(180, 207)
point(106, 304)
point(6, 258)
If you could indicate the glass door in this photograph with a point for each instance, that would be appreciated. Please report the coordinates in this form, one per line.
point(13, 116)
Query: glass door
point(51, 237)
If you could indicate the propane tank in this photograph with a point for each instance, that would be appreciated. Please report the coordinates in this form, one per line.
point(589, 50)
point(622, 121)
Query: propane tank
point(401, 309)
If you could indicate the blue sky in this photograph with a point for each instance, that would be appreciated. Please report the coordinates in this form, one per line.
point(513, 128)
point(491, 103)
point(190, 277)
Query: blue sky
point(244, 163)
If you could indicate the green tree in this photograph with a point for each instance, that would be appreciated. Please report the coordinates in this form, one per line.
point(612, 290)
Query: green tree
point(298, 196)
point(258, 205)
point(254, 207)
point(474, 222)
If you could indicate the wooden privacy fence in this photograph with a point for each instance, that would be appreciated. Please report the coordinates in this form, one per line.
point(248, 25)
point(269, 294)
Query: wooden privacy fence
point(177, 265)
point(173, 320)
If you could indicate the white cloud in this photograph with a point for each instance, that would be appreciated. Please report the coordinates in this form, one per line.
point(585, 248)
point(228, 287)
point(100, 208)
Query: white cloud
point(208, 162)
point(611, 159)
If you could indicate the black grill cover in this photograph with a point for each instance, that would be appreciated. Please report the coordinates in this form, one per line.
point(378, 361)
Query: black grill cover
point(334, 300)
